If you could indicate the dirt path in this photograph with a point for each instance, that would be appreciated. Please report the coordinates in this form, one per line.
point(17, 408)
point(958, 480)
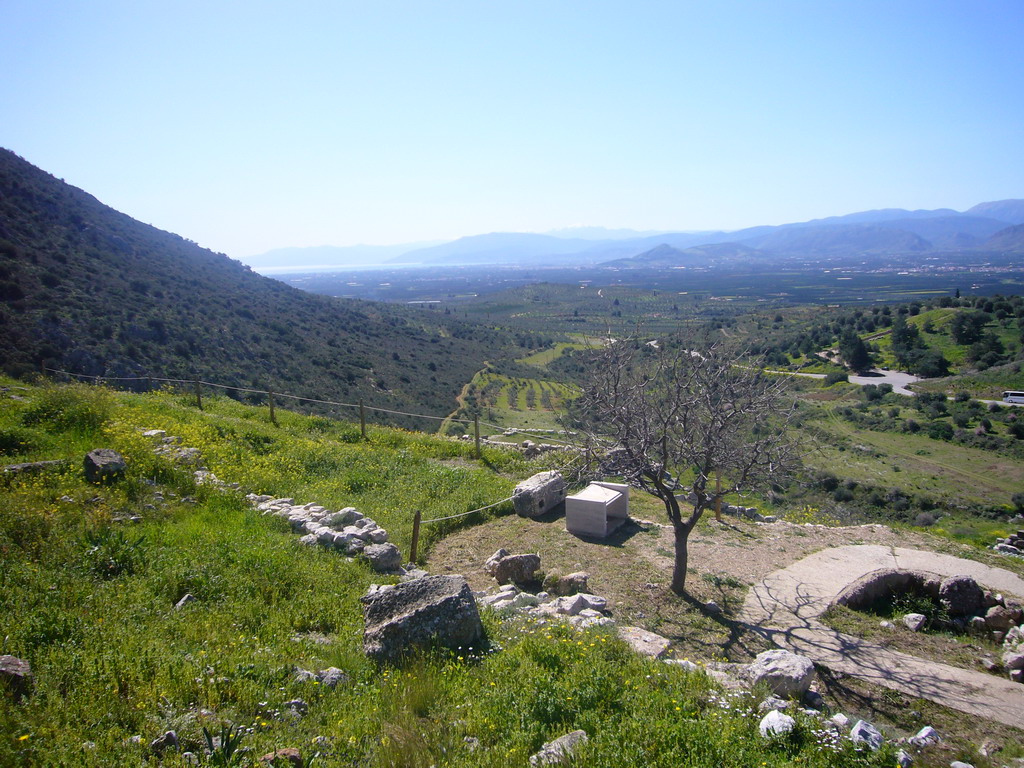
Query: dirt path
point(786, 606)
point(460, 399)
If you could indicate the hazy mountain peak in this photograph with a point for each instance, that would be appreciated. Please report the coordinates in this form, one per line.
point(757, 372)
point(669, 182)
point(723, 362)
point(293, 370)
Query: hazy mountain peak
point(602, 233)
point(1010, 211)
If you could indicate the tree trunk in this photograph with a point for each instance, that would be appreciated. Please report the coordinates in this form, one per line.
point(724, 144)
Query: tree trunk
point(682, 536)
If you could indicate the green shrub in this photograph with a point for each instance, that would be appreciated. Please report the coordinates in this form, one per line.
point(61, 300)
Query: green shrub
point(18, 440)
point(834, 378)
point(71, 408)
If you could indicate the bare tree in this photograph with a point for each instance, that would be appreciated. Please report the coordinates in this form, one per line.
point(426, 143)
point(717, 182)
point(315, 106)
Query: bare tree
point(673, 421)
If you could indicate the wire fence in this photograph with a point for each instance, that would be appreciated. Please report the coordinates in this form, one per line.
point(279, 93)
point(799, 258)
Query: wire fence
point(271, 395)
point(197, 384)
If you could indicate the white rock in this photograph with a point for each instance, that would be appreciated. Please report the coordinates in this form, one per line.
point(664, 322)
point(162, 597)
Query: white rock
point(915, 621)
point(643, 642)
point(593, 602)
point(1013, 660)
point(776, 723)
point(492, 562)
point(903, 759)
point(686, 664)
point(840, 719)
point(785, 673)
point(924, 737)
point(864, 732)
point(560, 750)
point(566, 606)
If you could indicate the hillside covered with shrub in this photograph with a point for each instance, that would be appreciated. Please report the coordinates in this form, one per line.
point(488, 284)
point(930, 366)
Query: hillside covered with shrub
point(89, 290)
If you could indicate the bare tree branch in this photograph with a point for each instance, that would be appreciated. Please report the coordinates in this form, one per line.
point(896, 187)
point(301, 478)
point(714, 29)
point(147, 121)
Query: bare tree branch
point(670, 419)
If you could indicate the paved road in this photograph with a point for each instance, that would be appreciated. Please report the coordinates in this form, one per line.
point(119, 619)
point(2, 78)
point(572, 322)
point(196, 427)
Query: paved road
point(787, 604)
point(899, 380)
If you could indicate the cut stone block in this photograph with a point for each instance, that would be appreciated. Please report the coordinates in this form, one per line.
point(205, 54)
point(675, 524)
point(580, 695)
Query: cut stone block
point(598, 510)
point(539, 494)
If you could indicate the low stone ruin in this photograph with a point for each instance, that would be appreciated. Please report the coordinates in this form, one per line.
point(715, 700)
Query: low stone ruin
point(347, 530)
point(750, 513)
point(1011, 545)
point(970, 608)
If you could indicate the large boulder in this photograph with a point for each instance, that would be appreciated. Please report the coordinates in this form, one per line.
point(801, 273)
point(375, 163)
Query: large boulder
point(433, 610)
point(539, 494)
point(15, 676)
point(961, 596)
point(104, 465)
point(517, 569)
point(786, 674)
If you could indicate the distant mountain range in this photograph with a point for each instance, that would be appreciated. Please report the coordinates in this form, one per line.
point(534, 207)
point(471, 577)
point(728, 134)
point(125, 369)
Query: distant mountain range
point(987, 227)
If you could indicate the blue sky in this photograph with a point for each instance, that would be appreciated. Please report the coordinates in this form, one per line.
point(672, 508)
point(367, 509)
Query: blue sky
point(256, 125)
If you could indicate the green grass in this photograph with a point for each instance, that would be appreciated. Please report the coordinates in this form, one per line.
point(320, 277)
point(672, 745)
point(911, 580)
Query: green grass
point(88, 601)
point(940, 338)
point(916, 463)
point(526, 403)
point(545, 356)
point(985, 385)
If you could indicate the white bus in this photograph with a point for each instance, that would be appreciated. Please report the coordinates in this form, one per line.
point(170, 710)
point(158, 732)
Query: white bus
point(1013, 397)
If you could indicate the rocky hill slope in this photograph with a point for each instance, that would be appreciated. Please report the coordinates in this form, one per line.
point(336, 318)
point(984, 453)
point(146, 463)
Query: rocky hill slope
point(90, 290)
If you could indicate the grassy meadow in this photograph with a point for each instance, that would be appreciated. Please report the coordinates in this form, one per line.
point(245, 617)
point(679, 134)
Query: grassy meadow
point(88, 599)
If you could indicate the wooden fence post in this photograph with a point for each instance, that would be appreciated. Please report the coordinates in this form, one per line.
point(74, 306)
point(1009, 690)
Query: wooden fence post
point(415, 536)
point(362, 418)
point(270, 400)
point(476, 434)
point(199, 395)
